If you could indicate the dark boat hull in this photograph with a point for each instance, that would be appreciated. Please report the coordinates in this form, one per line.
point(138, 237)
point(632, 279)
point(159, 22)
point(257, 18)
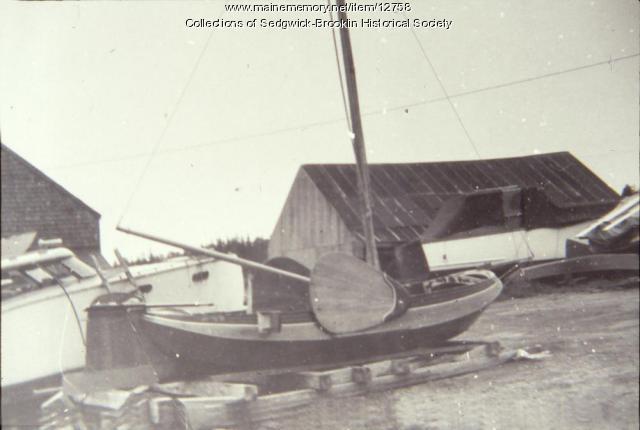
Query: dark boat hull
point(212, 355)
point(229, 343)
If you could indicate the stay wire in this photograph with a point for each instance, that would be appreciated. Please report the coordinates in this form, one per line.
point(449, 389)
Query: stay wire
point(335, 120)
point(610, 61)
point(156, 146)
point(446, 94)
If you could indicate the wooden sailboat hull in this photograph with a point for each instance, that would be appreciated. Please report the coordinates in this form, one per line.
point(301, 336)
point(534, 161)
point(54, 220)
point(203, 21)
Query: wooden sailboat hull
point(211, 355)
point(235, 342)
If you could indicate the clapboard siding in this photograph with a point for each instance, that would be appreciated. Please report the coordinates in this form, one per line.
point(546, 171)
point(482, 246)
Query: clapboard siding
point(309, 226)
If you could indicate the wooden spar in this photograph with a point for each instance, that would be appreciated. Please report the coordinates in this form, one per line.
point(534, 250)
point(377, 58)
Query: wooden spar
point(358, 139)
point(219, 255)
point(347, 294)
point(144, 305)
point(125, 266)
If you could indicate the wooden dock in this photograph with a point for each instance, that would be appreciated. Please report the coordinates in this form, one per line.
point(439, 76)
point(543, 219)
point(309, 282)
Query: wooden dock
point(279, 395)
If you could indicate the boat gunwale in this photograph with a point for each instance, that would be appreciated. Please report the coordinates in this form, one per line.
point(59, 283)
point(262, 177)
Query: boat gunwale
point(50, 292)
point(311, 330)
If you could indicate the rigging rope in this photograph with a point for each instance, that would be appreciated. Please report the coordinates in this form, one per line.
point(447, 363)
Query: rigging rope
point(336, 120)
point(453, 108)
point(169, 120)
point(75, 312)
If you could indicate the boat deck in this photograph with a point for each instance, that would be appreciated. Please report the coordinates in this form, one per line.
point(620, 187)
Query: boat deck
point(417, 299)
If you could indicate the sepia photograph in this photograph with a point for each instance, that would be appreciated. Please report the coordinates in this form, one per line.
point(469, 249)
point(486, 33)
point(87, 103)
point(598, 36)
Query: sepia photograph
point(320, 214)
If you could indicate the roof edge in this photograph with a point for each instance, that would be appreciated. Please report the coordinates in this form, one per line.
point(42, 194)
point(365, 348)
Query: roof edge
point(44, 176)
point(304, 166)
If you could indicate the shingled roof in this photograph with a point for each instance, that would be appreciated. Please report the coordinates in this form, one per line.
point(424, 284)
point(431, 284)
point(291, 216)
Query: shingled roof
point(31, 201)
point(407, 197)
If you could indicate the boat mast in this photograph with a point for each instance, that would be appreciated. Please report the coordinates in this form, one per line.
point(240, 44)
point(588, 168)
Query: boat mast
point(358, 138)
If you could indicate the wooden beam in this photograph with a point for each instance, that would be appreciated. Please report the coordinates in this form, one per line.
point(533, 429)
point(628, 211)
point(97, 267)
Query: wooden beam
point(209, 412)
point(362, 167)
point(215, 254)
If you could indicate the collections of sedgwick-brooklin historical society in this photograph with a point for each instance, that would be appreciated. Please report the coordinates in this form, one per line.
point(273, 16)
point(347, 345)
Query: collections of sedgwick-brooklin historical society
point(284, 24)
point(323, 8)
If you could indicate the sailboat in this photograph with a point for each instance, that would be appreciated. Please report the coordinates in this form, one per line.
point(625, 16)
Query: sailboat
point(342, 310)
point(349, 312)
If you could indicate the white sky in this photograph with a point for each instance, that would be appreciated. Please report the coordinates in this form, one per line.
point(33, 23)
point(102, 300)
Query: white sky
point(87, 88)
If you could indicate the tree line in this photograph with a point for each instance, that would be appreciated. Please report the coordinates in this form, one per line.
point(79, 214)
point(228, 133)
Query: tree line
point(249, 249)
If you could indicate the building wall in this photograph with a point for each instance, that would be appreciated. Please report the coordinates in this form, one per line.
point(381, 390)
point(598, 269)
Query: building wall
point(309, 226)
point(33, 202)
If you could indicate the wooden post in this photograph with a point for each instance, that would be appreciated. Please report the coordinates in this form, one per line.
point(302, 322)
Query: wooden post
point(358, 140)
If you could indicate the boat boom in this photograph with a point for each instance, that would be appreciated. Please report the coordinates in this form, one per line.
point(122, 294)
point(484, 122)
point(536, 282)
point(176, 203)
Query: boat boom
point(219, 255)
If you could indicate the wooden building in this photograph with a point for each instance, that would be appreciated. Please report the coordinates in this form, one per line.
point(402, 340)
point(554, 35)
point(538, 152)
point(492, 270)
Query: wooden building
point(33, 202)
point(435, 202)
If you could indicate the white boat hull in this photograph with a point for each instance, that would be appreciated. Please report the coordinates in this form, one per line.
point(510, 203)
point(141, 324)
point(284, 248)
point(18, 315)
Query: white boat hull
point(42, 337)
point(495, 249)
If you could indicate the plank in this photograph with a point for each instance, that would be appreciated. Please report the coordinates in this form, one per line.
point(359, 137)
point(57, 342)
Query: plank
point(207, 412)
point(578, 265)
point(86, 382)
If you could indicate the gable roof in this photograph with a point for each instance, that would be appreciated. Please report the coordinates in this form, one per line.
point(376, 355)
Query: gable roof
point(39, 173)
point(407, 197)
